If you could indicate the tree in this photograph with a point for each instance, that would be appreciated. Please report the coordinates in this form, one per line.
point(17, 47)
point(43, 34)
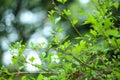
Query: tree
point(93, 55)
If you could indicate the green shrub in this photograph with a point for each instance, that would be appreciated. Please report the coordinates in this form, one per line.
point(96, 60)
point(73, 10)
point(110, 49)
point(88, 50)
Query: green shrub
point(94, 55)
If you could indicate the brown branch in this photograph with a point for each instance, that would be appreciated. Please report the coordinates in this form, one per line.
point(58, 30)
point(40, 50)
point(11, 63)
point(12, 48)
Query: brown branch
point(20, 73)
point(23, 73)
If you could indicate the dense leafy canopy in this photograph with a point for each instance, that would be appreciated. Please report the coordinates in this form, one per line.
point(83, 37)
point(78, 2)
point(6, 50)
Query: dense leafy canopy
point(92, 55)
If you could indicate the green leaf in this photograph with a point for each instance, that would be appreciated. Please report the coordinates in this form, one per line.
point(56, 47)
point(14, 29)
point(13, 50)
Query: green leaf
point(56, 40)
point(32, 59)
point(108, 23)
point(68, 58)
point(62, 1)
point(118, 41)
point(83, 44)
point(62, 47)
point(93, 32)
point(51, 18)
point(15, 59)
point(116, 4)
point(24, 78)
point(91, 19)
point(67, 12)
point(57, 19)
point(78, 38)
point(88, 36)
point(117, 73)
point(112, 32)
point(75, 21)
point(95, 1)
point(21, 67)
point(32, 78)
point(60, 29)
point(51, 12)
point(43, 54)
point(3, 68)
point(66, 44)
point(32, 44)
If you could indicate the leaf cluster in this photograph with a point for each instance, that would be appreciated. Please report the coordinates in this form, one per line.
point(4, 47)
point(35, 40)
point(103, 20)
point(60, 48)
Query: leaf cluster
point(94, 56)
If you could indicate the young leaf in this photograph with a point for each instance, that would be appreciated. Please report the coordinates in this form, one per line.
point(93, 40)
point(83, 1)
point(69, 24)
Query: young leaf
point(116, 5)
point(67, 12)
point(91, 19)
point(93, 32)
point(112, 32)
point(51, 12)
point(24, 78)
point(43, 54)
point(117, 73)
point(40, 77)
point(51, 18)
point(62, 1)
point(75, 21)
point(57, 20)
point(32, 59)
point(60, 29)
point(78, 38)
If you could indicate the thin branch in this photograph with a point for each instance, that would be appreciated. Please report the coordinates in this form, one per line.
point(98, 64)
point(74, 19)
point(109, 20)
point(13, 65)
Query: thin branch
point(78, 32)
point(80, 61)
point(83, 63)
point(53, 2)
point(21, 73)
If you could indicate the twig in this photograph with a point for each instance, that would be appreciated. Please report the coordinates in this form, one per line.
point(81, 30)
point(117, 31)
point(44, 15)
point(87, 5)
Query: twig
point(20, 73)
point(72, 25)
point(53, 2)
point(80, 61)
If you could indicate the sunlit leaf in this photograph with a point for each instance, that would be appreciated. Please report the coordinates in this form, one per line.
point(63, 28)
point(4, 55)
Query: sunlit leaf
point(112, 32)
point(51, 12)
point(57, 20)
point(91, 19)
point(67, 12)
point(93, 32)
point(43, 54)
point(75, 21)
point(60, 29)
point(117, 73)
point(116, 4)
point(40, 77)
point(62, 1)
point(23, 78)
point(32, 59)
point(51, 18)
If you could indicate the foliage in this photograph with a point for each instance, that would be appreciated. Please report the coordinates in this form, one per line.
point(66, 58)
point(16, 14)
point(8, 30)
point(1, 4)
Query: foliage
point(94, 55)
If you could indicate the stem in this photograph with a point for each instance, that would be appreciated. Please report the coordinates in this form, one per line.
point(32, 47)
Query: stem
point(20, 73)
point(73, 26)
point(87, 65)
point(80, 61)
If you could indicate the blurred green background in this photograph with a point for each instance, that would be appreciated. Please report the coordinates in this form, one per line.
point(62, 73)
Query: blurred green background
point(27, 20)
